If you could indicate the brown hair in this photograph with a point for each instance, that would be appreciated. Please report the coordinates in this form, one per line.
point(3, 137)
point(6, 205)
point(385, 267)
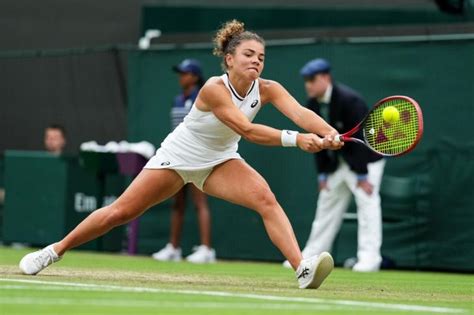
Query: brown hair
point(229, 36)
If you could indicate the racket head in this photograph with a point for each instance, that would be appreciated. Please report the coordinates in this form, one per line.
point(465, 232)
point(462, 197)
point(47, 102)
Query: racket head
point(396, 138)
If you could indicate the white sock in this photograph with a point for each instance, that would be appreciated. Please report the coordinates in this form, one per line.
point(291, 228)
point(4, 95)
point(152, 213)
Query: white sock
point(51, 248)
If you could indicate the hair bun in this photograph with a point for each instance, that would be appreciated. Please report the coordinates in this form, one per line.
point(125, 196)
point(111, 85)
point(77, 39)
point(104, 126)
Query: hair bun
point(224, 35)
point(229, 37)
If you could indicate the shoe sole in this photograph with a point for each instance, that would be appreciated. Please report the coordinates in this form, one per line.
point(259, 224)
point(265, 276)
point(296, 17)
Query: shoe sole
point(324, 266)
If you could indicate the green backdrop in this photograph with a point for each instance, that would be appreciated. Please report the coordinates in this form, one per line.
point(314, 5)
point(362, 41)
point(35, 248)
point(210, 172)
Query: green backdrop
point(431, 230)
point(170, 19)
point(48, 195)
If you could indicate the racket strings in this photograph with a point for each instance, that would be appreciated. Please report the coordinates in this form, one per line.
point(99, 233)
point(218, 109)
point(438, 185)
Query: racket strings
point(392, 138)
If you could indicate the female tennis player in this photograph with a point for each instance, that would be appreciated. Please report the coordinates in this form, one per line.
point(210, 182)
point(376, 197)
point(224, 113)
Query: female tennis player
point(203, 150)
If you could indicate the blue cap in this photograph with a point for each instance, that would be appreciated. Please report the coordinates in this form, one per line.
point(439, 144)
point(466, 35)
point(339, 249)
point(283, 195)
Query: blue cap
point(315, 66)
point(189, 66)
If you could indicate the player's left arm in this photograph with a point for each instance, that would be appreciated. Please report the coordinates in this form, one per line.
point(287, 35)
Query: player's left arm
point(273, 92)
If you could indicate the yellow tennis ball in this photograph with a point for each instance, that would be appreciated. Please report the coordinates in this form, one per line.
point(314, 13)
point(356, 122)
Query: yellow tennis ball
point(390, 114)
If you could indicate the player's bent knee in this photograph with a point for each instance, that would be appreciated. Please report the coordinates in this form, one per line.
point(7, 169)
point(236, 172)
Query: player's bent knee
point(117, 215)
point(266, 202)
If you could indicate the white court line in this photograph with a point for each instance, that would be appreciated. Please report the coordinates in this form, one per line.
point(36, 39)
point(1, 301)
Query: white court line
point(166, 304)
point(369, 305)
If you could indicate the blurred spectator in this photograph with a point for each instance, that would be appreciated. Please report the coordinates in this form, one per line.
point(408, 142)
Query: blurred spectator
point(191, 80)
point(55, 139)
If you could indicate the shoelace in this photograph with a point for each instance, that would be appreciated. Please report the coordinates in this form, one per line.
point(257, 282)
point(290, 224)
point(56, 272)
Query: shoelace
point(43, 259)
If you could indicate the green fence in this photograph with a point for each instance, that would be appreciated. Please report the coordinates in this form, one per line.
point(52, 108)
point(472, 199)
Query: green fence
point(170, 19)
point(47, 196)
point(430, 228)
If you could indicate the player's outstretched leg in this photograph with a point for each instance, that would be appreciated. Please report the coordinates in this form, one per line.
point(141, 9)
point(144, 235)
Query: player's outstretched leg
point(149, 188)
point(236, 182)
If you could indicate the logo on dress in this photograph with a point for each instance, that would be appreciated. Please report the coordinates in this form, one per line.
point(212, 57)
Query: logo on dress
point(254, 103)
point(166, 163)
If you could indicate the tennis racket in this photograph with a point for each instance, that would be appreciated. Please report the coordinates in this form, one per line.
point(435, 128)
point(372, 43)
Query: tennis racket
point(395, 136)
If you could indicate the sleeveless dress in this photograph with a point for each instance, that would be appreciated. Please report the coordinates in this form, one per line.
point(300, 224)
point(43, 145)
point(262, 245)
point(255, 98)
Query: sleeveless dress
point(202, 141)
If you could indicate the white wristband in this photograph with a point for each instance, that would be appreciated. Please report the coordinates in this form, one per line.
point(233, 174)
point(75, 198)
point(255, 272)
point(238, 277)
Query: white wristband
point(288, 138)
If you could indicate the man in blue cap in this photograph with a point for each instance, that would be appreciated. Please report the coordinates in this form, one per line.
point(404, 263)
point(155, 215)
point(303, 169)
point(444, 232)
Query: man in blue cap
point(352, 170)
point(191, 80)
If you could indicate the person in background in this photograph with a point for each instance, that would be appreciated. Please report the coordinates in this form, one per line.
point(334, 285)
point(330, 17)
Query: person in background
point(55, 139)
point(191, 80)
point(54, 142)
point(352, 170)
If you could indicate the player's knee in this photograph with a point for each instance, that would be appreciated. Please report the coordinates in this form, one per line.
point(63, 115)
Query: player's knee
point(117, 215)
point(266, 202)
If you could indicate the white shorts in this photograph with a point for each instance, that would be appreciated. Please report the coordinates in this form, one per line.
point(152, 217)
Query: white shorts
point(198, 178)
point(181, 152)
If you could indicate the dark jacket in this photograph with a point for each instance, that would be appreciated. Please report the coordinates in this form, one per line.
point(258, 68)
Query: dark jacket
point(346, 110)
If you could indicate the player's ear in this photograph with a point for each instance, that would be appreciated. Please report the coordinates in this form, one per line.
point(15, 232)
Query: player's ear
point(229, 60)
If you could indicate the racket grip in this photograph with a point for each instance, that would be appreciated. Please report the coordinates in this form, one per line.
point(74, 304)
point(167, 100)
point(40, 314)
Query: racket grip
point(338, 138)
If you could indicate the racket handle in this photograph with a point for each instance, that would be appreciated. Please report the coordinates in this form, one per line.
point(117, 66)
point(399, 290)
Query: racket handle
point(338, 138)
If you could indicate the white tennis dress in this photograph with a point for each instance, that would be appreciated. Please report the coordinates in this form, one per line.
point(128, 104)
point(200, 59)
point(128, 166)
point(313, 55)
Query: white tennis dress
point(202, 141)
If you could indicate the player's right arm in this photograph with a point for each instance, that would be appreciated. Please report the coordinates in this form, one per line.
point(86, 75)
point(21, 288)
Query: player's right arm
point(216, 98)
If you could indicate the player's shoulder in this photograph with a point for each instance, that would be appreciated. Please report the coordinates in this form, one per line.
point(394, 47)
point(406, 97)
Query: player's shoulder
point(212, 84)
point(266, 83)
point(214, 81)
point(268, 89)
point(268, 86)
point(213, 89)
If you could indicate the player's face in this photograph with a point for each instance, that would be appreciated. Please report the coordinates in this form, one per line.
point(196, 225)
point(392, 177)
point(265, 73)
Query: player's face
point(316, 86)
point(247, 60)
point(54, 141)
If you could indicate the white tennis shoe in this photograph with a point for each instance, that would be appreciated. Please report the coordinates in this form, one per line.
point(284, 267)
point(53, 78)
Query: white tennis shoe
point(312, 271)
point(168, 253)
point(33, 263)
point(202, 255)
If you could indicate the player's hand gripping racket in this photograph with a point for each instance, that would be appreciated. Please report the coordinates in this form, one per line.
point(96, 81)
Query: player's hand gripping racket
point(393, 127)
